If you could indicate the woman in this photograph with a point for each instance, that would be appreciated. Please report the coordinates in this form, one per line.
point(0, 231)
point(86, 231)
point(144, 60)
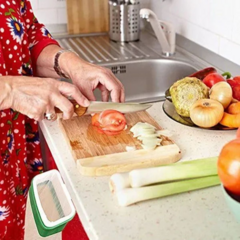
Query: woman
point(30, 63)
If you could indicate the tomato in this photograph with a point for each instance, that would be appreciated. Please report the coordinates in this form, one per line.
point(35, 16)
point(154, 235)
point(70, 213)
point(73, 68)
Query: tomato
point(212, 79)
point(229, 166)
point(237, 79)
point(203, 73)
point(235, 84)
point(110, 122)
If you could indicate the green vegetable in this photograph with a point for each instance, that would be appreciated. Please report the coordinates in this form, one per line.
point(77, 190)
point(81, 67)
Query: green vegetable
point(130, 196)
point(228, 75)
point(185, 92)
point(174, 172)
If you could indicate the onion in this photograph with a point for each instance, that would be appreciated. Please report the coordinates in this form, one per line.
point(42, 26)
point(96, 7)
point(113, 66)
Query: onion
point(146, 133)
point(221, 92)
point(130, 148)
point(206, 113)
point(148, 136)
point(141, 125)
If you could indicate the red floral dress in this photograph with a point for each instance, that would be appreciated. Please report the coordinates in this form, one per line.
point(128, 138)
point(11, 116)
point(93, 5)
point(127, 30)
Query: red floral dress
point(22, 39)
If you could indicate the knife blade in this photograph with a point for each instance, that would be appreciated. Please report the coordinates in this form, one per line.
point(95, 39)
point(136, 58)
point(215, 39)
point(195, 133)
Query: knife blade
point(97, 107)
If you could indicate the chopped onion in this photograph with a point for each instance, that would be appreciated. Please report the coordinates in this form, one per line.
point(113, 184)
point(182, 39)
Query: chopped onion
point(130, 148)
point(146, 133)
point(153, 141)
point(141, 125)
point(154, 135)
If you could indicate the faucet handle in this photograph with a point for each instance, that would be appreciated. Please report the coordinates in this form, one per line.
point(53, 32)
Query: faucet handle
point(169, 31)
point(166, 38)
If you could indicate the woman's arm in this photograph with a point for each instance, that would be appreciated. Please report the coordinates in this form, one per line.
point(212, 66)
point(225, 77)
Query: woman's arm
point(86, 76)
point(5, 90)
point(45, 62)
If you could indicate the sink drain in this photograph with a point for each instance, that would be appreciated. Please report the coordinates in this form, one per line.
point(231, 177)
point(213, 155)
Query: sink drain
point(119, 69)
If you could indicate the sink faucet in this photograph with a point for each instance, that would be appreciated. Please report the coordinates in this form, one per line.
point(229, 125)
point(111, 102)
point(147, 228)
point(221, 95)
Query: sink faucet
point(164, 31)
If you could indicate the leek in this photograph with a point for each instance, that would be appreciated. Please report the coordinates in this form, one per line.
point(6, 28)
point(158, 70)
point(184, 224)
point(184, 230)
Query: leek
point(119, 181)
point(130, 196)
point(173, 172)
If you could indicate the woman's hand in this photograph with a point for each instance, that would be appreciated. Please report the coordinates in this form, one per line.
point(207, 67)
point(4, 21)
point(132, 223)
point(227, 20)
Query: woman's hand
point(87, 77)
point(36, 96)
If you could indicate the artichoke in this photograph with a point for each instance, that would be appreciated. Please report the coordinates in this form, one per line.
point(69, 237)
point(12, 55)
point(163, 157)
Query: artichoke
point(185, 92)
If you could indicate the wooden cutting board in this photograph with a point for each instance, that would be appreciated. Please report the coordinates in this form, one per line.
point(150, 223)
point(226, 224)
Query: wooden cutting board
point(87, 16)
point(98, 154)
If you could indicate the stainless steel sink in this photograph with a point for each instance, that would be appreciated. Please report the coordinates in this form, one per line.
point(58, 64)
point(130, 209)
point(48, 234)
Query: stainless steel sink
point(144, 73)
point(147, 80)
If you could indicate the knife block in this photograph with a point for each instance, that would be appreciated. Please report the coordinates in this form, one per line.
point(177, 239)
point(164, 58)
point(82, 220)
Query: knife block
point(87, 16)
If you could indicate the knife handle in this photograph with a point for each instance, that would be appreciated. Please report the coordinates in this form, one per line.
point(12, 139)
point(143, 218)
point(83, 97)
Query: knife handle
point(78, 109)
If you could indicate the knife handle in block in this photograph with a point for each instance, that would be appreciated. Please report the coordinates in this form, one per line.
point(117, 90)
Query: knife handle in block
point(78, 109)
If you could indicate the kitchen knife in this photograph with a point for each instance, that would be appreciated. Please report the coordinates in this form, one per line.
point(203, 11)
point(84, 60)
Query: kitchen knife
point(97, 107)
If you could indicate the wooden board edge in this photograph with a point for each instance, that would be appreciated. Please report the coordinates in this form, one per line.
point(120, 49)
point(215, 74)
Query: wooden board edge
point(96, 166)
point(59, 119)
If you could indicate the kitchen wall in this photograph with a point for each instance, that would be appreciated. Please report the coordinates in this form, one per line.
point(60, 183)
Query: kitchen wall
point(50, 12)
point(53, 12)
point(213, 24)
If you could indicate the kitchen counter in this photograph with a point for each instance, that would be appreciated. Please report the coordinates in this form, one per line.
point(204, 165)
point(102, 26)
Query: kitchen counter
point(197, 215)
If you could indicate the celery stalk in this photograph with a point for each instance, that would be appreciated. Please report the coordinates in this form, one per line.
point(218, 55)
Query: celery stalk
point(173, 172)
point(129, 196)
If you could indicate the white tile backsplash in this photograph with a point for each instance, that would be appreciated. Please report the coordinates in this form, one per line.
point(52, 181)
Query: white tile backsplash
point(50, 11)
point(34, 4)
point(230, 50)
point(46, 16)
point(46, 4)
point(62, 15)
point(214, 24)
point(236, 23)
point(42, 8)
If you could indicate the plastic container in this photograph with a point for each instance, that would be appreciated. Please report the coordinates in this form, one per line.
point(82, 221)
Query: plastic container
point(233, 205)
point(51, 203)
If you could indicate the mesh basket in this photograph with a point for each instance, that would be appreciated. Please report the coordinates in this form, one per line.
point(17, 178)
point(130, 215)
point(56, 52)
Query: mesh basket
point(124, 22)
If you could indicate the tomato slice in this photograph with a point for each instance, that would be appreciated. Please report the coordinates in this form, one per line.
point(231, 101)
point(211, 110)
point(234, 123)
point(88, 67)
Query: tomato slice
point(111, 117)
point(95, 121)
point(110, 122)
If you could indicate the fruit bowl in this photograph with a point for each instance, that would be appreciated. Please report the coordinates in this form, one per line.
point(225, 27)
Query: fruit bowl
point(171, 112)
point(232, 202)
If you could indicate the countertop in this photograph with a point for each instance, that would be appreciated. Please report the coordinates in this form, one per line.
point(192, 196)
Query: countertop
point(197, 215)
